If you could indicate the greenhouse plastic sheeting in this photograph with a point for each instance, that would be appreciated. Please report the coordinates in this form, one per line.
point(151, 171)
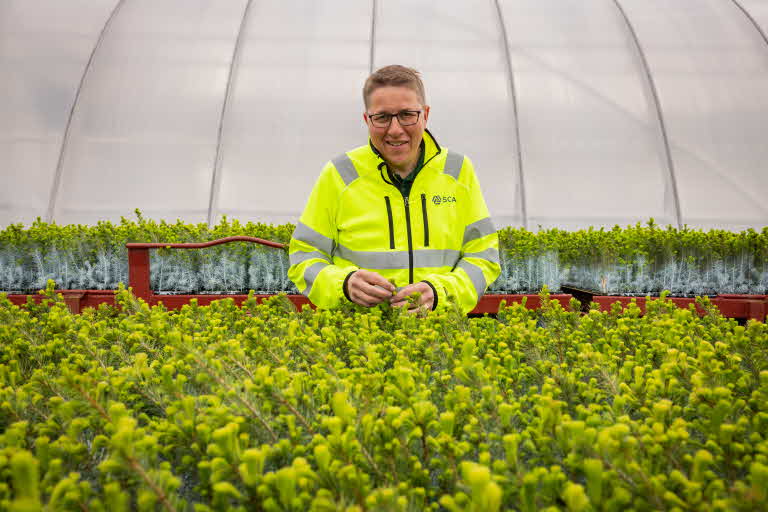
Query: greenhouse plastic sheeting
point(459, 49)
point(145, 130)
point(44, 49)
point(575, 112)
point(589, 131)
point(757, 10)
point(710, 65)
point(295, 104)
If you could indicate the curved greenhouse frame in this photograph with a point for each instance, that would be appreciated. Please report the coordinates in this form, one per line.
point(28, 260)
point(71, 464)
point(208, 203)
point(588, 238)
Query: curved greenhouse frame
point(575, 112)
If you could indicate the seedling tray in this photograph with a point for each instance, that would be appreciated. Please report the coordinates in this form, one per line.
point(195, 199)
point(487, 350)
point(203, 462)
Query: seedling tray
point(733, 306)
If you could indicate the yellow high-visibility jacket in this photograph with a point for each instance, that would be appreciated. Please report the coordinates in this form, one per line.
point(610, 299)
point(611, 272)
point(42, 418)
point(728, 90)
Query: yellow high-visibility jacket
point(356, 218)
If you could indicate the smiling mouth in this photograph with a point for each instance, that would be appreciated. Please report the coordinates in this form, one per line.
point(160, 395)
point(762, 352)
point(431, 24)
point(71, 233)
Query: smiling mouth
point(397, 144)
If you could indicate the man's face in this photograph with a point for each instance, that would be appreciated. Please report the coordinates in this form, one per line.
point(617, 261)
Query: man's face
point(399, 145)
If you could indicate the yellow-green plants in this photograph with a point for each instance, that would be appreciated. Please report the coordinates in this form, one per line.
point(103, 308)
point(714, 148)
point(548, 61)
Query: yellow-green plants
point(647, 259)
point(266, 408)
point(636, 260)
point(95, 257)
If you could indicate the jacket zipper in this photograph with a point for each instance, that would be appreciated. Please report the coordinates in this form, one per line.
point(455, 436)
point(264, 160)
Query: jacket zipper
point(391, 223)
point(407, 221)
point(410, 240)
point(426, 221)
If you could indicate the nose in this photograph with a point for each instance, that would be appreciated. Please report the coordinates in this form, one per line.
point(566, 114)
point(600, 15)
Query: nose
point(394, 127)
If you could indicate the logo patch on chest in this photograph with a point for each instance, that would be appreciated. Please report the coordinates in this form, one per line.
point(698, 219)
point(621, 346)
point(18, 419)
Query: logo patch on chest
point(438, 199)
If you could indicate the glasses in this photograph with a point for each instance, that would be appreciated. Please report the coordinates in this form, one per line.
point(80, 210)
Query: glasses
point(404, 117)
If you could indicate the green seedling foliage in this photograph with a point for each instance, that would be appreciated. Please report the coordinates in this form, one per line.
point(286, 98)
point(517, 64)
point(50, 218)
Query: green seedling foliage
point(262, 407)
point(634, 260)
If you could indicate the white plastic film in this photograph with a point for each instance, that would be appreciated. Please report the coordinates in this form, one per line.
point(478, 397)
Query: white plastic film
point(710, 66)
point(459, 49)
point(44, 49)
point(295, 104)
point(145, 130)
point(591, 144)
point(757, 10)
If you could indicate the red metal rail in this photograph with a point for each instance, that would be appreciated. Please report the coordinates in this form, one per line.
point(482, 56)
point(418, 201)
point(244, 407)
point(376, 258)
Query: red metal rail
point(79, 299)
point(743, 307)
point(138, 260)
point(733, 306)
point(139, 280)
point(202, 245)
point(489, 303)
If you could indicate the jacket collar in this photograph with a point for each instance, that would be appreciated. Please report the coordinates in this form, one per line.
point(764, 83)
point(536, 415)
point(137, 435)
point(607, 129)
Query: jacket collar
point(431, 149)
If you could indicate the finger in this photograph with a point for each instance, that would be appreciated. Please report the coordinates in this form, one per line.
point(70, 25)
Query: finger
point(421, 309)
point(375, 279)
point(403, 293)
point(397, 298)
point(376, 291)
point(358, 284)
point(369, 298)
point(417, 309)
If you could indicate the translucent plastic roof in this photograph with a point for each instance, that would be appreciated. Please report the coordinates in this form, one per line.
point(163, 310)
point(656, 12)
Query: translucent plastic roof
point(575, 112)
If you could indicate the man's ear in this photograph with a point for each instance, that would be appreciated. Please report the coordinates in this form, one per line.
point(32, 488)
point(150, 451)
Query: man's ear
point(426, 113)
point(365, 118)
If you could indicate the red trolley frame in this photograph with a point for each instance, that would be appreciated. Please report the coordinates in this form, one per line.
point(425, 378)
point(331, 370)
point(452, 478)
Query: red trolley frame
point(733, 306)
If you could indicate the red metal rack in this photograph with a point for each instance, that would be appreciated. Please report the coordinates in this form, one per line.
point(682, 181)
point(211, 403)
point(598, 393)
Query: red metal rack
point(138, 276)
point(139, 281)
point(753, 307)
point(733, 306)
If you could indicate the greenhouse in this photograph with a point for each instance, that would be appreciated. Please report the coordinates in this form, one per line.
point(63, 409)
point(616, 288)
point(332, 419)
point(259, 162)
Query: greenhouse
point(156, 156)
point(576, 113)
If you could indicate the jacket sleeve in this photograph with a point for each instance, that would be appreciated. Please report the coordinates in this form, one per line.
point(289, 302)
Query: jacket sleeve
point(313, 242)
point(478, 265)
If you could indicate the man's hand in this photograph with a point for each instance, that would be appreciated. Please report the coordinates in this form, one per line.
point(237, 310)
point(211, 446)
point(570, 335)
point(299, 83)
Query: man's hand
point(369, 288)
point(426, 300)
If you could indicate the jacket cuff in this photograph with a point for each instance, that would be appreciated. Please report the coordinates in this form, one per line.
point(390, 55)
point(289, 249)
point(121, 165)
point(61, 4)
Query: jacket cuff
point(344, 286)
point(434, 294)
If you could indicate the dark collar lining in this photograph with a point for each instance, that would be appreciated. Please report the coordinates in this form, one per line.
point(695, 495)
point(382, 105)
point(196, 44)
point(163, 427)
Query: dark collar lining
point(437, 145)
point(383, 162)
point(416, 170)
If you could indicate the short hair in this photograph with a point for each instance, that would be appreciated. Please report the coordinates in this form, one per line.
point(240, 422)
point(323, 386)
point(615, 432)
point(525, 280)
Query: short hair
point(394, 75)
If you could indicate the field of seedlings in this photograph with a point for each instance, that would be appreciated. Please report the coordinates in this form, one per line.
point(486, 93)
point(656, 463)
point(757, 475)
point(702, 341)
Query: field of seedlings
point(266, 408)
point(635, 260)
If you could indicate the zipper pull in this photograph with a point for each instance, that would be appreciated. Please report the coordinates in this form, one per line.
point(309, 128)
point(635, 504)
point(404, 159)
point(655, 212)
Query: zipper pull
point(406, 200)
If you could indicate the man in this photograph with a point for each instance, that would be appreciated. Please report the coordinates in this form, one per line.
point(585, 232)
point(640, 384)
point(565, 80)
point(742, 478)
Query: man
point(401, 209)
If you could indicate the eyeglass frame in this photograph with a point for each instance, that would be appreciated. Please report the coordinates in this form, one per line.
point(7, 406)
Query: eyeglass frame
point(392, 116)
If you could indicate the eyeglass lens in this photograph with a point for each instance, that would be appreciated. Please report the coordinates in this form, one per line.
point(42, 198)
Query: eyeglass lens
point(405, 118)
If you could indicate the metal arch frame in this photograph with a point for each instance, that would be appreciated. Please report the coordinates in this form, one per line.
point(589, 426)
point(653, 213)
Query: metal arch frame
point(372, 54)
point(659, 113)
point(513, 93)
point(234, 66)
point(65, 139)
point(752, 20)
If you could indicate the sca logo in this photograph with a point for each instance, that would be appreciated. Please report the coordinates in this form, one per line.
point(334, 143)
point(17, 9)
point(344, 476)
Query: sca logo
point(436, 199)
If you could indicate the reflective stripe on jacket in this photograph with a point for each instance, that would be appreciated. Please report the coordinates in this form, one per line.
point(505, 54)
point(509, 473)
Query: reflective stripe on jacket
point(356, 218)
